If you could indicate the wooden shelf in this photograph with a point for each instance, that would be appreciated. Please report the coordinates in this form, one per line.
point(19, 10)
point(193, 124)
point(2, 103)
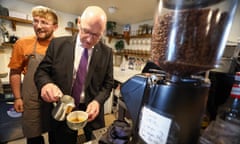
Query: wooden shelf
point(73, 30)
point(7, 44)
point(142, 36)
point(135, 53)
point(127, 39)
point(15, 20)
point(118, 37)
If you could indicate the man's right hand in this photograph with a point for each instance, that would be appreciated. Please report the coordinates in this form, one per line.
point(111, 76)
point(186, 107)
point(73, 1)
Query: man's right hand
point(51, 92)
point(18, 105)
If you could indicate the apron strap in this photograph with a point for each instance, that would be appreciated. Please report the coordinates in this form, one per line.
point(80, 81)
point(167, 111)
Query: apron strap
point(35, 47)
point(33, 54)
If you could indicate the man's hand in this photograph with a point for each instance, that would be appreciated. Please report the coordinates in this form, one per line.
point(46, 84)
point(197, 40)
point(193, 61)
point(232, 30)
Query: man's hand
point(18, 105)
point(93, 110)
point(51, 93)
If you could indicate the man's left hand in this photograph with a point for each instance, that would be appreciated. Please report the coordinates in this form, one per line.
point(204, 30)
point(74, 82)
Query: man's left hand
point(93, 110)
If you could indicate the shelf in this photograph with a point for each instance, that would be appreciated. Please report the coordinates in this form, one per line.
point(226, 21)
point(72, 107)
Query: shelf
point(118, 37)
point(7, 44)
point(134, 53)
point(142, 36)
point(73, 30)
point(127, 39)
point(15, 20)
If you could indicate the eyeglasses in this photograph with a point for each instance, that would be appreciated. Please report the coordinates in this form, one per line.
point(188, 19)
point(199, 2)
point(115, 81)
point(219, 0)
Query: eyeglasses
point(43, 23)
point(89, 33)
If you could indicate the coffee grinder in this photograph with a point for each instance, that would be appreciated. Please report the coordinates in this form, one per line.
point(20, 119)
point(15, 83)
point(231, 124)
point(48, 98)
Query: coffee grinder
point(188, 39)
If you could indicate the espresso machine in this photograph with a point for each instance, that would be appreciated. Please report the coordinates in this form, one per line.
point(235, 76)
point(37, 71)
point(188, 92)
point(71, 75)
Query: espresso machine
point(188, 39)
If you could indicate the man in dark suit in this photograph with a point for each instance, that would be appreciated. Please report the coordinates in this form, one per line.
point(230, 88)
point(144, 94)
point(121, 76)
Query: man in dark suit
point(57, 72)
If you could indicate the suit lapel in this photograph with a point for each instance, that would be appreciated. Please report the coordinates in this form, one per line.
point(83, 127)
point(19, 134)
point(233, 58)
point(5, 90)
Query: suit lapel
point(94, 59)
point(70, 57)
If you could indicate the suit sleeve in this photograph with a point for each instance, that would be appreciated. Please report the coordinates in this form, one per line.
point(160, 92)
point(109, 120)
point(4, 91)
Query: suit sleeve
point(43, 73)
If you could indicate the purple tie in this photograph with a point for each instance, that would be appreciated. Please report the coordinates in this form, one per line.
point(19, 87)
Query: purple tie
point(80, 77)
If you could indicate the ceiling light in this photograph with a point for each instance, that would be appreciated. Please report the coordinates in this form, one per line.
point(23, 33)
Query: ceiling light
point(112, 9)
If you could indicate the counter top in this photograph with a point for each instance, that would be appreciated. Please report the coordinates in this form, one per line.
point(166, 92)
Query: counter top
point(124, 75)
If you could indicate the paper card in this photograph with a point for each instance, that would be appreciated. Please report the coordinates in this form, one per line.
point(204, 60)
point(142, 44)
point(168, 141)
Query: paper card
point(154, 128)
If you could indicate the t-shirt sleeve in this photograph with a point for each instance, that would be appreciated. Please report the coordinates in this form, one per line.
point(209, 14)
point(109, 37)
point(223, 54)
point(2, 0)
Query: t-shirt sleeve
point(17, 59)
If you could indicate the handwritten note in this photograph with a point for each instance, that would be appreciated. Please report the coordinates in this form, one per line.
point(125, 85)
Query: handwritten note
point(154, 128)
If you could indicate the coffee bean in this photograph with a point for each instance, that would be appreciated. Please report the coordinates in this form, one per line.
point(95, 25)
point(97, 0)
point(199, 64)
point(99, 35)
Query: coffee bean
point(188, 41)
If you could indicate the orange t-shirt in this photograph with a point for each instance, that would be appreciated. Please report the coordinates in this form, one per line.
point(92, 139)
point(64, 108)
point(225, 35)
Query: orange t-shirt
point(22, 49)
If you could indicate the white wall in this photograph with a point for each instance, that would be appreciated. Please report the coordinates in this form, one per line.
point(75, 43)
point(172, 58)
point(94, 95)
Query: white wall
point(234, 35)
point(26, 29)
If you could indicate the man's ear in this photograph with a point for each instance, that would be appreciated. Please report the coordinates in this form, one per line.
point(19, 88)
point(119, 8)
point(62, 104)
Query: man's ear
point(79, 21)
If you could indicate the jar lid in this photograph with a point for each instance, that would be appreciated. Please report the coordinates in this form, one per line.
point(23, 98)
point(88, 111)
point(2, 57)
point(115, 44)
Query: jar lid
point(173, 4)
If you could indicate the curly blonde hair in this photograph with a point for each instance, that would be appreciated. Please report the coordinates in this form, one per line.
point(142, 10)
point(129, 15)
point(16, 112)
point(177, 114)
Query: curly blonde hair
point(46, 13)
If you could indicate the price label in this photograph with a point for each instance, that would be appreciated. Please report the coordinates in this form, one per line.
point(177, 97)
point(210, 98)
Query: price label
point(154, 128)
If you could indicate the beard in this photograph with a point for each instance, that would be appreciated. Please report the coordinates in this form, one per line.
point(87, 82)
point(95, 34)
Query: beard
point(43, 34)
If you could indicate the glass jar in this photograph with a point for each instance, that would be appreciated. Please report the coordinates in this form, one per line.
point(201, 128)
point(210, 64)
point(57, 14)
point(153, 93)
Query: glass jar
point(189, 36)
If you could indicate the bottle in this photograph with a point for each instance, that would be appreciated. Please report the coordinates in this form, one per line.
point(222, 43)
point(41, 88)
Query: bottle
point(232, 112)
point(123, 64)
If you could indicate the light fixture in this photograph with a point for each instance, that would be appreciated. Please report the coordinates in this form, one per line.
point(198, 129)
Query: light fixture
point(112, 9)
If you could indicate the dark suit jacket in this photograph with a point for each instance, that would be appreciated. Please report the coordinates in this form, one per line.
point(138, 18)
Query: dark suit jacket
point(57, 67)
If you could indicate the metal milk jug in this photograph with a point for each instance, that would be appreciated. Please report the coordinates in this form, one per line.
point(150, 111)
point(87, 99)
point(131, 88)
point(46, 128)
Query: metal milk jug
point(63, 107)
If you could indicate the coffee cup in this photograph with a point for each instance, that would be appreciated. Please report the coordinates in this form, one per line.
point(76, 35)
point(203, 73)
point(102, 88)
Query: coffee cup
point(77, 119)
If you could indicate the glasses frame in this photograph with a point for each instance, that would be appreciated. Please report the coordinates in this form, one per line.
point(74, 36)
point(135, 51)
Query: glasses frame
point(85, 31)
point(42, 22)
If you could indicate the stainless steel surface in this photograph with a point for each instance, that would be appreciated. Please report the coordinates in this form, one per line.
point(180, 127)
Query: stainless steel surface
point(232, 50)
point(63, 107)
point(189, 3)
point(226, 65)
point(97, 134)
